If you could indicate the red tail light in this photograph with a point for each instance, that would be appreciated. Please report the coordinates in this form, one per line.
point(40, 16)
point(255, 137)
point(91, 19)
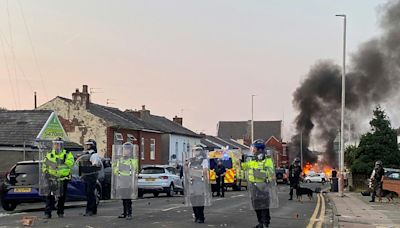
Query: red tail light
point(164, 177)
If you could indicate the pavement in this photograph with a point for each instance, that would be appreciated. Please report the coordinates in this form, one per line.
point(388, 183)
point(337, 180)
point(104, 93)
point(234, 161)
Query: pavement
point(355, 211)
point(232, 211)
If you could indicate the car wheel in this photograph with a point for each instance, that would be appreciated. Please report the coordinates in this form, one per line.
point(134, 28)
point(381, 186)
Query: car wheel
point(308, 181)
point(140, 194)
point(97, 193)
point(155, 194)
point(8, 205)
point(171, 191)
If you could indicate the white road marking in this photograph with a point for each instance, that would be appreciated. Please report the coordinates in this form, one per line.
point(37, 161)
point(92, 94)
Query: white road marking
point(13, 214)
point(241, 195)
point(172, 208)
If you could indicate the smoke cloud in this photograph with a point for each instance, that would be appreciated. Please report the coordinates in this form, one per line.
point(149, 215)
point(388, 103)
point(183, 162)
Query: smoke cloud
point(373, 77)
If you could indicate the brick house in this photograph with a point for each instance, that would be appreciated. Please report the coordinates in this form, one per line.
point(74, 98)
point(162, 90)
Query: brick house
point(83, 120)
point(175, 139)
point(280, 151)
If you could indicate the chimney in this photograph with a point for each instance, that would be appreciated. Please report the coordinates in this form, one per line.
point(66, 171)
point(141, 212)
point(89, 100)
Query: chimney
point(133, 112)
point(144, 114)
point(81, 98)
point(178, 120)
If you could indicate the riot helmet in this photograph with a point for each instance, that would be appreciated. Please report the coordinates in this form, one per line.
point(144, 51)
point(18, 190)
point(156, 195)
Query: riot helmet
point(198, 152)
point(91, 145)
point(258, 146)
point(378, 164)
point(58, 145)
point(127, 150)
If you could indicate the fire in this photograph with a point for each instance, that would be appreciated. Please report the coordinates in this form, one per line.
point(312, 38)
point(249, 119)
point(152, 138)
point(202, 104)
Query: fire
point(307, 168)
point(317, 168)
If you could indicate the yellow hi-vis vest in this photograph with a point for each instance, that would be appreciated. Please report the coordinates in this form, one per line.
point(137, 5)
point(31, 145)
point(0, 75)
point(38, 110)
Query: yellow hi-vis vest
point(259, 171)
point(58, 165)
point(132, 163)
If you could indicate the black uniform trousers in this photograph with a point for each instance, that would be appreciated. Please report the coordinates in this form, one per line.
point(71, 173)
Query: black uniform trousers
point(91, 205)
point(220, 185)
point(377, 189)
point(127, 203)
point(294, 184)
point(199, 212)
point(50, 200)
point(263, 216)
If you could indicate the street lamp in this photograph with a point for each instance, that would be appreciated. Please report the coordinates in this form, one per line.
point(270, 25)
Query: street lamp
point(341, 181)
point(252, 118)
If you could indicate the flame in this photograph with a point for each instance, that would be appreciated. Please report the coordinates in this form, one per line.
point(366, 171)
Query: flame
point(317, 168)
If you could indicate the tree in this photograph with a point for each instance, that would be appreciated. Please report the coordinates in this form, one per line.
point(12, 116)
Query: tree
point(378, 144)
point(3, 109)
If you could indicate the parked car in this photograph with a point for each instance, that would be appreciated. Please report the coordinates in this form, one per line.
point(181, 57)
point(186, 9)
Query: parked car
point(22, 186)
point(315, 177)
point(160, 179)
point(281, 175)
point(392, 173)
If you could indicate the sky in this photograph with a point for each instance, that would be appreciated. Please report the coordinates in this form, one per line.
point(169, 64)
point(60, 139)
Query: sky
point(201, 60)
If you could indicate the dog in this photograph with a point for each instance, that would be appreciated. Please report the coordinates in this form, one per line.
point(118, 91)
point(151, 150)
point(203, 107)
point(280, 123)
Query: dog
point(388, 195)
point(304, 191)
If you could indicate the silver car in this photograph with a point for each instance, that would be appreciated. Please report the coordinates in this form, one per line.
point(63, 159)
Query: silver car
point(158, 179)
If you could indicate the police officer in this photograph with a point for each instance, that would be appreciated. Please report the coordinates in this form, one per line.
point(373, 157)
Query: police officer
point(126, 169)
point(197, 186)
point(294, 176)
point(377, 180)
point(57, 166)
point(261, 183)
point(91, 176)
point(220, 172)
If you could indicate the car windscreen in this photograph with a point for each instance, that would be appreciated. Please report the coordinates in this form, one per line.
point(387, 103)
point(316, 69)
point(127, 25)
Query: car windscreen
point(227, 163)
point(152, 170)
point(26, 174)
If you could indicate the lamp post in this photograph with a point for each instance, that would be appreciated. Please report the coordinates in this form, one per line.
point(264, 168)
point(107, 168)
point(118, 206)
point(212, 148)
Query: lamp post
point(252, 118)
point(341, 181)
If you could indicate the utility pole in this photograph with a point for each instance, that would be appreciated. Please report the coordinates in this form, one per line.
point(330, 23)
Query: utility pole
point(301, 149)
point(252, 118)
point(341, 176)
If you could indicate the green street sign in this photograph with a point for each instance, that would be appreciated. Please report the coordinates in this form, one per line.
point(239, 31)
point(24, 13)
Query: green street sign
point(52, 129)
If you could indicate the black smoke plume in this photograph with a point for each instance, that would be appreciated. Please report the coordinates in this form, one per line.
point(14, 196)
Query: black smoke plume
point(373, 77)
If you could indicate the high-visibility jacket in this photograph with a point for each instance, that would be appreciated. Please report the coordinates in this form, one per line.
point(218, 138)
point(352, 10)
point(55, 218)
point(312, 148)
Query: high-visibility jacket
point(58, 165)
point(259, 171)
point(132, 166)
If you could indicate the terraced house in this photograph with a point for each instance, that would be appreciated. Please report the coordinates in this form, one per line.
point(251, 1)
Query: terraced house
point(83, 120)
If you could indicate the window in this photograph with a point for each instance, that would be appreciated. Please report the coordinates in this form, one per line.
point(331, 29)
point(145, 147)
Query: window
point(152, 170)
point(176, 147)
point(172, 170)
point(152, 149)
point(142, 148)
point(131, 138)
point(184, 148)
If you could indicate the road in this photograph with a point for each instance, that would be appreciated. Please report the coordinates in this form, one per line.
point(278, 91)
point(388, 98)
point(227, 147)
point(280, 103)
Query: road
point(231, 211)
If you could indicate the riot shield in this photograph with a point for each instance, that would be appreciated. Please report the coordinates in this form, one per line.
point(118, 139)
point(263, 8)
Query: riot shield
point(197, 183)
point(263, 195)
point(49, 183)
point(85, 168)
point(125, 170)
